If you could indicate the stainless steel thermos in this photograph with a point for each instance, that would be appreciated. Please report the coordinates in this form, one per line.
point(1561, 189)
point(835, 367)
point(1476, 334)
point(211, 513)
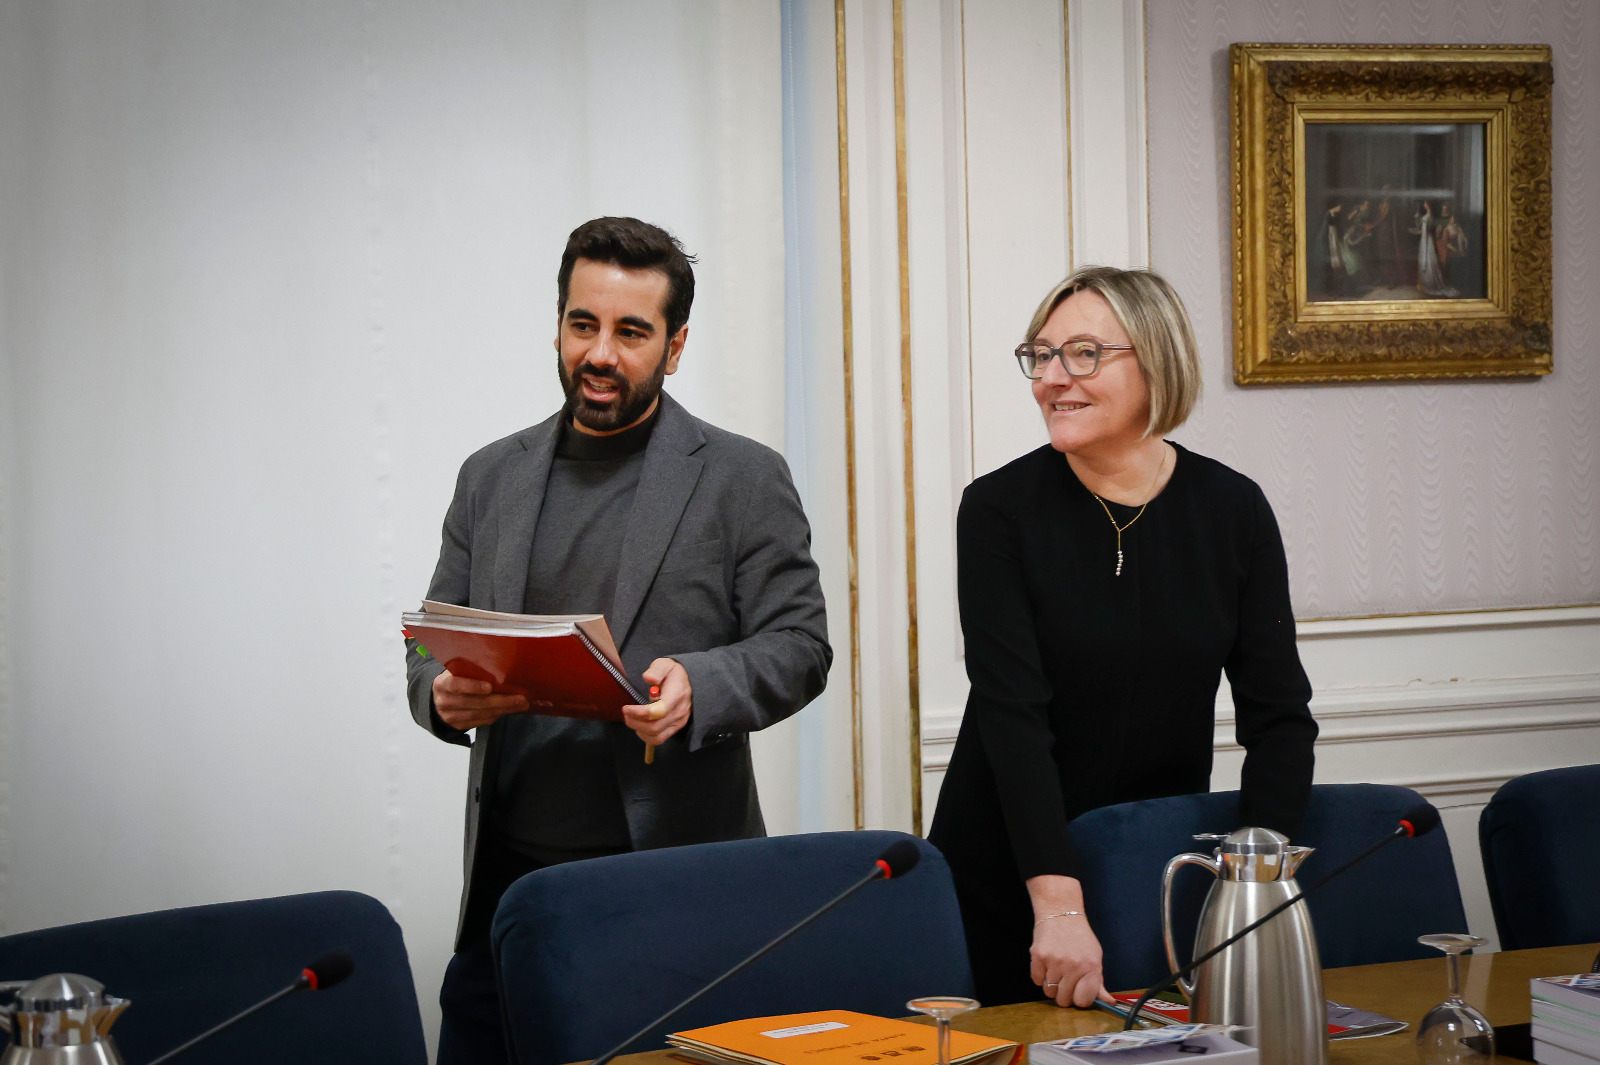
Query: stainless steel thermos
point(1270, 982)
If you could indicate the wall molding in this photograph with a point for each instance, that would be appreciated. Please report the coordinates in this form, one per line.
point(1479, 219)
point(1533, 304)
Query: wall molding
point(1109, 206)
point(1490, 728)
point(1474, 789)
point(1420, 708)
point(1446, 621)
point(1336, 704)
point(1433, 701)
point(939, 737)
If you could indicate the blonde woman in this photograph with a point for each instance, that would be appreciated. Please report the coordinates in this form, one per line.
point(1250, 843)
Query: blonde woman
point(1107, 580)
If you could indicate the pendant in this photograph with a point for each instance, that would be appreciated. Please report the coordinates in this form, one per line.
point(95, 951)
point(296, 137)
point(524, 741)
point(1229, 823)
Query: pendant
point(1119, 563)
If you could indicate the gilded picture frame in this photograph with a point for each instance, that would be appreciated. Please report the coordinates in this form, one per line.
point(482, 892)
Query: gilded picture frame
point(1391, 212)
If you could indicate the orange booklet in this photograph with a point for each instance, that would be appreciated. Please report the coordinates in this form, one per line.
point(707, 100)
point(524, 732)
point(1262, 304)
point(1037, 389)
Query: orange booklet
point(837, 1037)
point(566, 665)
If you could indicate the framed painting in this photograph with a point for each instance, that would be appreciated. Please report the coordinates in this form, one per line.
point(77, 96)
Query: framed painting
point(1391, 211)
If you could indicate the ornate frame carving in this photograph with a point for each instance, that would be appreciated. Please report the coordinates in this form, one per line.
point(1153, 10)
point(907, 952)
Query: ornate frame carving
point(1279, 336)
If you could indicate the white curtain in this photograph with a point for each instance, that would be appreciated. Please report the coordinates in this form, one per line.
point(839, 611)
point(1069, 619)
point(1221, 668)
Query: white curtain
point(269, 272)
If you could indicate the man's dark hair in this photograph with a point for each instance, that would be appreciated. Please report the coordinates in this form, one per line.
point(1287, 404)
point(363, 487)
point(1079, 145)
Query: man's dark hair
point(636, 245)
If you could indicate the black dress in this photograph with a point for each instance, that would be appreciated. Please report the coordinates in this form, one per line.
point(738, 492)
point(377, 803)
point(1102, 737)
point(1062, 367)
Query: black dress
point(1090, 689)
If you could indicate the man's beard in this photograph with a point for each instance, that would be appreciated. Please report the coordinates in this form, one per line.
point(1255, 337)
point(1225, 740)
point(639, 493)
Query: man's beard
point(623, 409)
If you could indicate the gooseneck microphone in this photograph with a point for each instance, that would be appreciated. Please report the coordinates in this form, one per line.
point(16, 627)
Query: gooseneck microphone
point(1417, 821)
point(318, 976)
point(898, 859)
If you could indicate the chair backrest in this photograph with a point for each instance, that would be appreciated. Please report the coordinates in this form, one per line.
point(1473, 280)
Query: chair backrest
point(188, 969)
point(1540, 839)
point(590, 952)
point(1373, 913)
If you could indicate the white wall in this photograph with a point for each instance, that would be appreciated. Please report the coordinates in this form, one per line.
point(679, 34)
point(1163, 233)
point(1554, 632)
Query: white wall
point(269, 272)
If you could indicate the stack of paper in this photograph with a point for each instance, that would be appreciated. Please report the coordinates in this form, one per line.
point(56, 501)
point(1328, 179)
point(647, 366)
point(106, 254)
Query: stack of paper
point(1566, 1020)
point(835, 1037)
point(1151, 1046)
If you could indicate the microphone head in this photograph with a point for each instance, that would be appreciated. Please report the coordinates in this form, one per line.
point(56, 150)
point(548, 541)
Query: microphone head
point(899, 858)
point(328, 970)
point(1420, 819)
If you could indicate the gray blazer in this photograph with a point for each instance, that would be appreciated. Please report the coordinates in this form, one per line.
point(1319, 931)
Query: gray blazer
point(716, 573)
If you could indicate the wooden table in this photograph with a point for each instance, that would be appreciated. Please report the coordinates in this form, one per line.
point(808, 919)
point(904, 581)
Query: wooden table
point(1404, 990)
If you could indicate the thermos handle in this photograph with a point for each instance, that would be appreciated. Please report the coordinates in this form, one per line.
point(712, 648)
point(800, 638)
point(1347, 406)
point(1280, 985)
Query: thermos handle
point(9, 987)
point(1213, 864)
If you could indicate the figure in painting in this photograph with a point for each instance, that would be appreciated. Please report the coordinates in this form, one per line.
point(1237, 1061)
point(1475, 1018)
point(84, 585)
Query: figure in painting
point(1450, 244)
point(1391, 272)
point(1331, 241)
point(1353, 249)
point(1430, 279)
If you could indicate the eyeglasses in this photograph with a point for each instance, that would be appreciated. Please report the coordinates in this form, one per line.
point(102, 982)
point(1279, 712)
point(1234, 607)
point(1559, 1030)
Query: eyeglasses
point(1080, 356)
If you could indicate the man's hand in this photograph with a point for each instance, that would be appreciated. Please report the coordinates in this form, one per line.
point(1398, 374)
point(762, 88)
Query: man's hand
point(660, 721)
point(1065, 953)
point(466, 704)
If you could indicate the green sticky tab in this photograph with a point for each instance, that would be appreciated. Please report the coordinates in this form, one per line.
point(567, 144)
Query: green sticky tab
point(421, 650)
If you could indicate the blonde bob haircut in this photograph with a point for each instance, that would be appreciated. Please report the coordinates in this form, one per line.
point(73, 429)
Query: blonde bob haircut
point(1154, 318)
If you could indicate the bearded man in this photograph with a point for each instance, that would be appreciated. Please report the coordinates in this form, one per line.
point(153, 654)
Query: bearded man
point(689, 539)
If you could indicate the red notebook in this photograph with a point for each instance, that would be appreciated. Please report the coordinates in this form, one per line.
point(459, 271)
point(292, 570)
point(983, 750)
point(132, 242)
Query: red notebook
point(566, 665)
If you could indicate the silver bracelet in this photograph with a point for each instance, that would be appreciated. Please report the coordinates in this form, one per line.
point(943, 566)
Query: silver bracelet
point(1063, 913)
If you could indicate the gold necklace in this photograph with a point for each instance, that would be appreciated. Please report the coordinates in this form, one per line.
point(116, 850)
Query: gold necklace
point(1124, 528)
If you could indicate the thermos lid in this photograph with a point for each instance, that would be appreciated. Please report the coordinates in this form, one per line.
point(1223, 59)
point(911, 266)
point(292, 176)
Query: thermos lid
point(60, 991)
point(1254, 841)
point(60, 1010)
point(1256, 854)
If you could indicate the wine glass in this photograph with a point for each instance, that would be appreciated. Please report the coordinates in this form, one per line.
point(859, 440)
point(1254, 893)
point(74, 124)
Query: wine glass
point(1454, 1032)
point(941, 1008)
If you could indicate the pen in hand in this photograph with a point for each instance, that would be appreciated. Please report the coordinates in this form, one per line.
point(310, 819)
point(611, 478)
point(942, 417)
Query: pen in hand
point(657, 712)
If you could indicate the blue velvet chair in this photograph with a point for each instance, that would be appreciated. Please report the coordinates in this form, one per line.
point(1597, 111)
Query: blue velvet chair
point(188, 969)
point(588, 953)
point(1540, 840)
point(1373, 913)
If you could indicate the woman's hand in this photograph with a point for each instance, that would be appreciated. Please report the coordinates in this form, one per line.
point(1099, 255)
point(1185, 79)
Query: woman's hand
point(1065, 953)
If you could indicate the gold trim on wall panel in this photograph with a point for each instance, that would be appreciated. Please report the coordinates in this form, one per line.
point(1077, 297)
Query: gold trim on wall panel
point(903, 227)
point(1066, 148)
point(856, 744)
point(1144, 74)
point(966, 223)
point(1462, 611)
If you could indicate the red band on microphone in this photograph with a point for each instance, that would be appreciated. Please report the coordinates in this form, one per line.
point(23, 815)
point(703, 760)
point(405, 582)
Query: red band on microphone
point(1411, 830)
point(888, 874)
point(310, 978)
